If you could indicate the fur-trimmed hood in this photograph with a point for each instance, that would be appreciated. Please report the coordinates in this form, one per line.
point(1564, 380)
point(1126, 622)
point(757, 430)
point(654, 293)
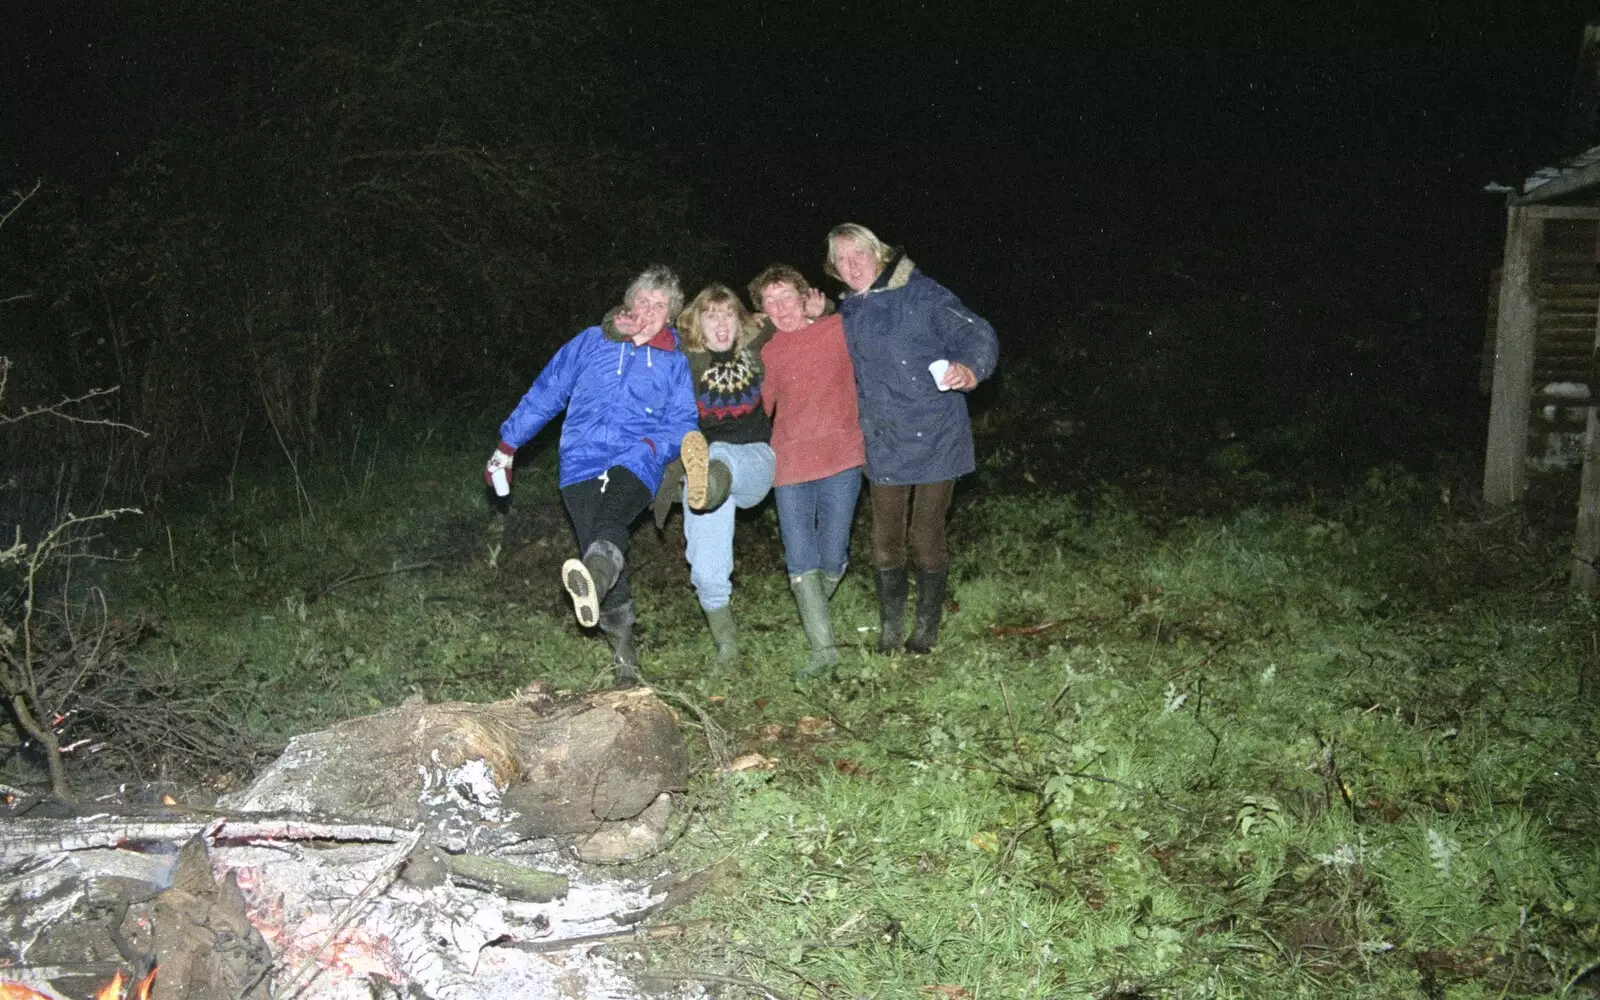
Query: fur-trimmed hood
point(894, 275)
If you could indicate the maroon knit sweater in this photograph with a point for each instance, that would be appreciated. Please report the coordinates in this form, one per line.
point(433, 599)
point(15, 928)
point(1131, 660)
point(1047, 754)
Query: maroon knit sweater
point(811, 390)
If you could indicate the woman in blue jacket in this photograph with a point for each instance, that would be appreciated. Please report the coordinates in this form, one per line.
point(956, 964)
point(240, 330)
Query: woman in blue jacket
point(917, 351)
point(629, 402)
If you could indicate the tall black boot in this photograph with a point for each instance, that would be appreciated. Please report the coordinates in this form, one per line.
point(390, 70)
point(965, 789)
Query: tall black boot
point(589, 579)
point(617, 625)
point(930, 607)
point(891, 608)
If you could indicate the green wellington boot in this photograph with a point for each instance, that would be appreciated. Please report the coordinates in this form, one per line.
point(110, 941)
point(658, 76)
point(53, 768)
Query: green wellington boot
point(726, 636)
point(719, 483)
point(818, 625)
point(695, 454)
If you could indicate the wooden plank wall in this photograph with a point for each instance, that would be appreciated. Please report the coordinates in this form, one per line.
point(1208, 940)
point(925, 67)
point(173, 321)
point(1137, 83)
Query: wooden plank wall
point(1569, 294)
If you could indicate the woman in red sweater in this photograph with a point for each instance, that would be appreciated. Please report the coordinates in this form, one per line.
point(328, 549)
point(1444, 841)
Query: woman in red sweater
point(810, 391)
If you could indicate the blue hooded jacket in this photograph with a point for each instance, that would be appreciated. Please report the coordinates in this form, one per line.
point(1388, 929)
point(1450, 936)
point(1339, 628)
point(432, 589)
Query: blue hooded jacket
point(626, 405)
point(895, 329)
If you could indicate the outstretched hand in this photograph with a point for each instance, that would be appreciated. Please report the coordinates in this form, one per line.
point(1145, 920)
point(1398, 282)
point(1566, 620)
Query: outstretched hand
point(816, 303)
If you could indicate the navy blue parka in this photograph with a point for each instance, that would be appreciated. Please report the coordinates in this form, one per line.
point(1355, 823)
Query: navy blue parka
point(895, 329)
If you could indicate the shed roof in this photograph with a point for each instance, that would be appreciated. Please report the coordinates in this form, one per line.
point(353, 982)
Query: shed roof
point(1572, 176)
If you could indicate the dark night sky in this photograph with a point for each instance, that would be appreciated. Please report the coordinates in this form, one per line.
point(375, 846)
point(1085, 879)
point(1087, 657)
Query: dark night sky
point(985, 137)
point(1009, 142)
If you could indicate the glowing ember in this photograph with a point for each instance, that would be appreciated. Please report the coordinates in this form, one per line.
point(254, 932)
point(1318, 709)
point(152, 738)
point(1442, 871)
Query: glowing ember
point(17, 991)
point(168, 800)
point(112, 990)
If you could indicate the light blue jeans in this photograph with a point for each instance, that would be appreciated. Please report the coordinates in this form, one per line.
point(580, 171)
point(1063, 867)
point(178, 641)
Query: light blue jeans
point(814, 518)
point(709, 534)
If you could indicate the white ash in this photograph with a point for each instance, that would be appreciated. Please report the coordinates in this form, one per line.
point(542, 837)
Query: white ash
point(446, 941)
point(457, 802)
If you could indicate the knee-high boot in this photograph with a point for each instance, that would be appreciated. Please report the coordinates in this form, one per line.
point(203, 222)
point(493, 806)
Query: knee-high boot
point(617, 625)
point(930, 608)
point(891, 609)
point(814, 618)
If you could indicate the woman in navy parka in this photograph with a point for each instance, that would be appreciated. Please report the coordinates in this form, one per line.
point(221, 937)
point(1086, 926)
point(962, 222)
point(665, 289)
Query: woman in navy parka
point(629, 402)
point(917, 351)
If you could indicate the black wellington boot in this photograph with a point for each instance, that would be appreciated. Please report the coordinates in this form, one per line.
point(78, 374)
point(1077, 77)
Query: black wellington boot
point(617, 625)
point(930, 607)
point(891, 609)
point(589, 579)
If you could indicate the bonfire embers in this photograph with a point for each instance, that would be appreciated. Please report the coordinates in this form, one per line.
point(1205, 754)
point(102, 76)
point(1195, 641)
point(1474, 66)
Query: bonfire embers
point(252, 907)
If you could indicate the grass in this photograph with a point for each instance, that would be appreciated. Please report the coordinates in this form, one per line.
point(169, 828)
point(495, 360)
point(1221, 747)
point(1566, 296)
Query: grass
point(1303, 751)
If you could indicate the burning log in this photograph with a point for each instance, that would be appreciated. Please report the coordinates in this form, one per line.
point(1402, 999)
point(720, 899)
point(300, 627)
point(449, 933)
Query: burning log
point(396, 897)
point(205, 945)
point(481, 777)
point(27, 839)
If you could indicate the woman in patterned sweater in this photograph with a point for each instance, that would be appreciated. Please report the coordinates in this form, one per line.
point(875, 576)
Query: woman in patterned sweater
point(727, 464)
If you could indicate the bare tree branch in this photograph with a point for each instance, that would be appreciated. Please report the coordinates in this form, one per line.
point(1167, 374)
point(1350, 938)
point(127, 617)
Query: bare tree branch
point(22, 199)
point(58, 408)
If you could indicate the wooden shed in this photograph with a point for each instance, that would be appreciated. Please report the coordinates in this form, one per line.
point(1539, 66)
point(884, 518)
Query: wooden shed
point(1545, 315)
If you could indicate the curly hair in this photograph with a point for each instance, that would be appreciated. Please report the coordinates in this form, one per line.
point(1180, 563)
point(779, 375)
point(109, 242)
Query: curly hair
point(690, 333)
point(656, 278)
point(777, 274)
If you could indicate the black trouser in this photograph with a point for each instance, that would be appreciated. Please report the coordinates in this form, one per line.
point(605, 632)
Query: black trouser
point(603, 510)
point(924, 506)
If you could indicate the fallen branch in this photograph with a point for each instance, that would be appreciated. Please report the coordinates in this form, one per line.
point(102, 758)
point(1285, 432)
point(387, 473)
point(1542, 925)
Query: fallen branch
point(29, 838)
point(1027, 629)
point(610, 937)
point(685, 976)
point(314, 596)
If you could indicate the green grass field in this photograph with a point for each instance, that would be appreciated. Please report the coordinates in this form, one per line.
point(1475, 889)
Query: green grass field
point(1343, 749)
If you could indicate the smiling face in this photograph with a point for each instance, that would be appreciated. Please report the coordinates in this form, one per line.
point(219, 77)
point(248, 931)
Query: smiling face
point(857, 265)
point(719, 326)
point(784, 305)
point(650, 310)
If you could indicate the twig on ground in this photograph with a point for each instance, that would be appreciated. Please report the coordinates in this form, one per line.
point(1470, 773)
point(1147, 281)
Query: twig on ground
point(1005, 698)
point(609, 937)
point(717, 742)
point(313, 596)
point(685, 976)
point(1041, 627)
point(791, 970)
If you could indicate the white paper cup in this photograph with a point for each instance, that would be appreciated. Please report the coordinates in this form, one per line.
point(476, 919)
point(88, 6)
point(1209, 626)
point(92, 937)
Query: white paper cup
point(502, 483)
point(937, 370)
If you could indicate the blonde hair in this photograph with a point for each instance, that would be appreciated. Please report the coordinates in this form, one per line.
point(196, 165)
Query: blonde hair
point(715, 294)
point(861, 236)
